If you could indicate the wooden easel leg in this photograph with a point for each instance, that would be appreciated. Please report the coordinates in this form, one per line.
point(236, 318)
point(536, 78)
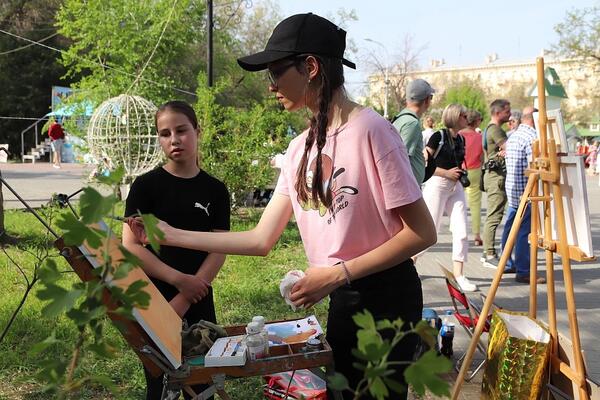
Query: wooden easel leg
point(510, 243)
point(568, 277)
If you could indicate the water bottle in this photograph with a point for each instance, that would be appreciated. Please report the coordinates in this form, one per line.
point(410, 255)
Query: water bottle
point(255, 342)
point(447, 335)
point(263, 331)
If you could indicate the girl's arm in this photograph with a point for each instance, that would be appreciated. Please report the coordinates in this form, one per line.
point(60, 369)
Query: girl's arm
point(208, 272)
point(192, 287)
point(255, 242)
point(417, 235)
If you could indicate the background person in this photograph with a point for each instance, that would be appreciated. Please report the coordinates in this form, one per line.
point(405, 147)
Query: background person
point(57, 137)
point(185, 196)
point(349, 169)
point(472, 164)
point(428, 124)
point(494, 139)
point(419, 94)
point(518, 153)
point(444, 192)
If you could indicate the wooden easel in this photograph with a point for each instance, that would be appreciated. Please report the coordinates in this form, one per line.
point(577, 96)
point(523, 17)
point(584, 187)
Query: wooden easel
point(544, 169)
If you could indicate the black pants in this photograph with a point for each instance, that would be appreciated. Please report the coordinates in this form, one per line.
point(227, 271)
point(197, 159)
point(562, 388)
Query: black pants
point(390, 294)
point(203, 310)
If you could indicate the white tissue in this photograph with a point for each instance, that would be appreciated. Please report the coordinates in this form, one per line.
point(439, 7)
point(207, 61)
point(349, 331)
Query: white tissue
point(287, 283)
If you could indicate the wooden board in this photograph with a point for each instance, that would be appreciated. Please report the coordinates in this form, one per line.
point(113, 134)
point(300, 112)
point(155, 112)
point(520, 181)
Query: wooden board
point(159, 322)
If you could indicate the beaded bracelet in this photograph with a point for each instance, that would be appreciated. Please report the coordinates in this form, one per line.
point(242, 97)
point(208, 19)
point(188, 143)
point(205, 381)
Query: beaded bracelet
point(346, 272)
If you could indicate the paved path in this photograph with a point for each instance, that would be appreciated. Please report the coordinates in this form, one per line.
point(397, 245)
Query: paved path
point(515, 296)
point(37, 182)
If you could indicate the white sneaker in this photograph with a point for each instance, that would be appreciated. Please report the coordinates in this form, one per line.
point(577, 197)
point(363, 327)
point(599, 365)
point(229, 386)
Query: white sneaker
point(465, 285)
point(56, 166)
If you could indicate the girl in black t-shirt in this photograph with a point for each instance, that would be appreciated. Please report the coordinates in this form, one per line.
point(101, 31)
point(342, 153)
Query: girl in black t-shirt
point(444, 191)
point(181, 193)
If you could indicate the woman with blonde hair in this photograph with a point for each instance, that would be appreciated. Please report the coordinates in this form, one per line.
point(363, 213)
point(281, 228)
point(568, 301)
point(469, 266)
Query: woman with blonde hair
point(444, 191)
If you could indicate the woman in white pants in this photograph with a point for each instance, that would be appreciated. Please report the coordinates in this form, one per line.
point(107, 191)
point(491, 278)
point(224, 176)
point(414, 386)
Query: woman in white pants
point(444, 191)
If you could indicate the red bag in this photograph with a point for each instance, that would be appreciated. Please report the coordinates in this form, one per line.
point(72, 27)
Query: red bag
point(305, 385)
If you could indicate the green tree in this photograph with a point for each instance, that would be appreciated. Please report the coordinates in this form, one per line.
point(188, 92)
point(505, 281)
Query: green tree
point(579, 34)
point(467, 93)
point(238, 144)
point(27, 71)
point(143, 48)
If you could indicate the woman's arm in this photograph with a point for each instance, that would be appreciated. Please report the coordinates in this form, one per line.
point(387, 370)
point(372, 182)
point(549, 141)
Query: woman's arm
point(255, 242)
point(417, 234)
point(192, 287)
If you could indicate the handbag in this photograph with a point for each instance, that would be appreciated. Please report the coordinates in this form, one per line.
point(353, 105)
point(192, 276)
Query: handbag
point(517, 357)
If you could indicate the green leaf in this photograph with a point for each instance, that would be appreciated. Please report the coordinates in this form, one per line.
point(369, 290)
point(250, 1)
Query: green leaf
point(338, 382)
point(61, 301)
point(124, 312)
point(105, 381)
point(359, 366)
point(375, 371)
point(359, 354)
point(425, 373)
point(94, 206)
point(76, 232)
point(114, 178)
point(364, 320)
point(103, 349)
point(378, 389)
point(394, 385)
point(426, 332)
point(48, 272)
point(366, 337)
point(384, 324)
point(154, 234)
point(43, 345)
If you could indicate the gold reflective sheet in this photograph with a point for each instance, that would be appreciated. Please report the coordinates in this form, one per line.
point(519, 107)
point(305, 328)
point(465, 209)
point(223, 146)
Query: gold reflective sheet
point(517, 358)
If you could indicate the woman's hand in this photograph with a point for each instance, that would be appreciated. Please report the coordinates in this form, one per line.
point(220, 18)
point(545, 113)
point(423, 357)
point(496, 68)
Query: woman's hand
point(318, 282)
point(453, 174)
point(192, 287)
point(180, 304)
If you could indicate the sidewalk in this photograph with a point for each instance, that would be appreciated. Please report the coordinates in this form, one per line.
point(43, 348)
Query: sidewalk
point(515, 296)
point(36, 183)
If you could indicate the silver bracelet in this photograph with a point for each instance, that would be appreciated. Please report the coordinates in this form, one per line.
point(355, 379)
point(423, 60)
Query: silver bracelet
point(346, 272)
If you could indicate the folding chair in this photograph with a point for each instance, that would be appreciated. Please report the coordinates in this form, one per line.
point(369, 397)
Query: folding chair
point(467, 315)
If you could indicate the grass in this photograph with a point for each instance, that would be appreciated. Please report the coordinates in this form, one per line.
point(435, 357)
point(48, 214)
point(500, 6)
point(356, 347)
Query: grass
point(246, 286)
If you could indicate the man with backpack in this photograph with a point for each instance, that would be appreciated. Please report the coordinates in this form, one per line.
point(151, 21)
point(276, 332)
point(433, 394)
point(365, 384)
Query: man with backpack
point(419, 95)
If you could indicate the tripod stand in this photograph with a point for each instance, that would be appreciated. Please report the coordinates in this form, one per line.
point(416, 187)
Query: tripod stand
point(544, 172)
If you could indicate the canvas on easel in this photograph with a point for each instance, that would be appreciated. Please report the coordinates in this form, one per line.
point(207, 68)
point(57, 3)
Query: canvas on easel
point(576, 205)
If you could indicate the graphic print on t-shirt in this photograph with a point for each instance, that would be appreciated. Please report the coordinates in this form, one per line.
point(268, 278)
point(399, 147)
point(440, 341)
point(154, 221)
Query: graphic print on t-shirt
point(205, 208)
point(329, 184)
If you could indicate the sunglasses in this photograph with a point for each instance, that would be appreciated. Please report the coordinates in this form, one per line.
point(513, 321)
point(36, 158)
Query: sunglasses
point(275, 73)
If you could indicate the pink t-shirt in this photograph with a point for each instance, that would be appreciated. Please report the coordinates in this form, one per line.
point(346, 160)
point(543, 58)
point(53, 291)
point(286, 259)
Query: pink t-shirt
point(367, 171)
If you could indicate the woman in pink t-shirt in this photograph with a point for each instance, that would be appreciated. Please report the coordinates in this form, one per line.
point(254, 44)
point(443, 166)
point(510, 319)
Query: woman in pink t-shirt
point(472, 164)
point(348, 183)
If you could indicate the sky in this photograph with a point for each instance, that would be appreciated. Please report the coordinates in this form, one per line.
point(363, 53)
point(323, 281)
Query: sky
point(462, 32)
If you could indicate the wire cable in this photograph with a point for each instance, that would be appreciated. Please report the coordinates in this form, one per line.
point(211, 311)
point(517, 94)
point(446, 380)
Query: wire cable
point(28, 45)
point(97, 62)
point(155, 47)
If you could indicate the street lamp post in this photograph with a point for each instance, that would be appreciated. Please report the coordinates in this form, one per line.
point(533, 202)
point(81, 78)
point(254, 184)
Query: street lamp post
point(386, 78)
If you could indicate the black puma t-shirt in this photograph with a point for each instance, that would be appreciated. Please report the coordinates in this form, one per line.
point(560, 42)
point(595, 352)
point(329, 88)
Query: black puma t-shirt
point(200, 203)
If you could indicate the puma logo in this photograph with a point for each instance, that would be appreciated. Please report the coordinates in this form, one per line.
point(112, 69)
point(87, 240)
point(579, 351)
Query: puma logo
point(205, 208)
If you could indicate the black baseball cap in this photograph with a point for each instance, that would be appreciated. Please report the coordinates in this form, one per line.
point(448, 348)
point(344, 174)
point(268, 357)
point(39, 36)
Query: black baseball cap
point(300, 34)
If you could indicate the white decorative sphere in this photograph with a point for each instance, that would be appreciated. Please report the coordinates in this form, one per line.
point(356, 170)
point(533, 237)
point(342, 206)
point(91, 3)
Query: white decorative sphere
point(121, 133)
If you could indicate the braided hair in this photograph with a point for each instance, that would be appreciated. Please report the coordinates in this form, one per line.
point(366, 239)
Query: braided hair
point(329, 78)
